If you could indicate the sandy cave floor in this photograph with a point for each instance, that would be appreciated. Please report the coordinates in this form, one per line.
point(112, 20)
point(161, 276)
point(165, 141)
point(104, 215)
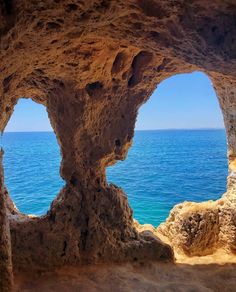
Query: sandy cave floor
point(189, 275)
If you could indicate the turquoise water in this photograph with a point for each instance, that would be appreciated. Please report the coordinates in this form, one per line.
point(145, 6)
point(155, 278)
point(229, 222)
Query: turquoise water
point(162, 168)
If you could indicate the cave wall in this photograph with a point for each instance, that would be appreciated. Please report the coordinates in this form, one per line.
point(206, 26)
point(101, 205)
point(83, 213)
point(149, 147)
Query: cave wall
point(6, 275)
point(93, 64)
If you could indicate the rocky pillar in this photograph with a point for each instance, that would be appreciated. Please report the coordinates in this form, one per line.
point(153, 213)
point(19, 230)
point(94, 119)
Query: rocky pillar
point(92, 135)
point(226, 91)
point(6, 276)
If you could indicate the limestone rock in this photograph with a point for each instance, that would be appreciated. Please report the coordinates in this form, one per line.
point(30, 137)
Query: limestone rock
point(6, 276)
point(93, 64)
point(193, 228)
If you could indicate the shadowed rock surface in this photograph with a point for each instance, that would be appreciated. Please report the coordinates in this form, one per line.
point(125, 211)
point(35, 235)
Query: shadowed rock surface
point(6, 276)
point(93, 64)
point(156, 277)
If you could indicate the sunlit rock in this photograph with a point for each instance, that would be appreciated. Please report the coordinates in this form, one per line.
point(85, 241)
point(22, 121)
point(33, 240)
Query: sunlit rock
point(93, 64)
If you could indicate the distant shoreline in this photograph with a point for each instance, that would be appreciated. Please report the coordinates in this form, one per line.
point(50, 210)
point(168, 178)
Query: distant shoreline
point(148, 130)
point(184, 129)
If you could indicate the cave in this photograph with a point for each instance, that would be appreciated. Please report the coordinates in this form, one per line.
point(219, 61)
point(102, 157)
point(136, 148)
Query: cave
point(92, 64)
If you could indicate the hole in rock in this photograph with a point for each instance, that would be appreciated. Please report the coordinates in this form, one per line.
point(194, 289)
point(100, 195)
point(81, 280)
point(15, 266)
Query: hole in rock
point(32, 158)
point(178, 152)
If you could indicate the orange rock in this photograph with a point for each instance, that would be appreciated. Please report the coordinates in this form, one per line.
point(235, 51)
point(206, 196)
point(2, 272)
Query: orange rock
point(93, 64)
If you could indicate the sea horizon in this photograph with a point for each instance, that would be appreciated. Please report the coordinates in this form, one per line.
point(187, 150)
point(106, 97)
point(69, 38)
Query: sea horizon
point(136, 130)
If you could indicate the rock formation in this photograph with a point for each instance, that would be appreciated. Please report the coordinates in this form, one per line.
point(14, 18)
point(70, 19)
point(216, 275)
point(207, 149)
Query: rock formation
point(6, 276)
point(93, 64)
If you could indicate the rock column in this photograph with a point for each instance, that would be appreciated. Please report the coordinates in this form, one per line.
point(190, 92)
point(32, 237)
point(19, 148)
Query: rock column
point(226, 91)
point(6, 275)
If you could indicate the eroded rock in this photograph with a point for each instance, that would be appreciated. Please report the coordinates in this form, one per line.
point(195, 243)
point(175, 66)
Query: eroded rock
point(193, 228)
point(93, 64)
point(6, 276)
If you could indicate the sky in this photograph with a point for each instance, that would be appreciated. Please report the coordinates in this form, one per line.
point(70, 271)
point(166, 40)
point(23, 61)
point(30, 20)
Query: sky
point(183, 101)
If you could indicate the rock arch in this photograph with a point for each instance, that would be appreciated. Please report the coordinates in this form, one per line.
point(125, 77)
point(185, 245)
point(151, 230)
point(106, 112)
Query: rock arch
point(164, 111)
point(92, 64)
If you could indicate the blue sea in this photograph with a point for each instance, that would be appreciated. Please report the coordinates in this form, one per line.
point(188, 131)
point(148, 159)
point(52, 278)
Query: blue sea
point(163, 168)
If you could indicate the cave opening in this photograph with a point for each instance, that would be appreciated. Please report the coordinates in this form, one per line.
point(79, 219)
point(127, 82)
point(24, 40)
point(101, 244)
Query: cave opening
point(32, 158)
point(179, 150)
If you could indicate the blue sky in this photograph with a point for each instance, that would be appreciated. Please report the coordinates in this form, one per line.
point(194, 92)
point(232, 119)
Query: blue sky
point(184, 101)
point(28, 116)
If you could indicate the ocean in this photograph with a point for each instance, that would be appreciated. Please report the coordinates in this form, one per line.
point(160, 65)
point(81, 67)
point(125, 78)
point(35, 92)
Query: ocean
point(163, 168)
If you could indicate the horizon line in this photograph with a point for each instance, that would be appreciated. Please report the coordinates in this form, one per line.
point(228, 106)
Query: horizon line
point(161, 129)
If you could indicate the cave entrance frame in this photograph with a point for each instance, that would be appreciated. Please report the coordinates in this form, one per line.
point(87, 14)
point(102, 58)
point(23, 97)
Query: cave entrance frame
point(207, 92)
point(225, 93)
point(30, 104)
point(76, 119)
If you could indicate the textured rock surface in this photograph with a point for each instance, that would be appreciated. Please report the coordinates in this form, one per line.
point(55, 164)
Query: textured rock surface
point(6, 277)
point(193, 228)
point(157, 277)
point(93, 64)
